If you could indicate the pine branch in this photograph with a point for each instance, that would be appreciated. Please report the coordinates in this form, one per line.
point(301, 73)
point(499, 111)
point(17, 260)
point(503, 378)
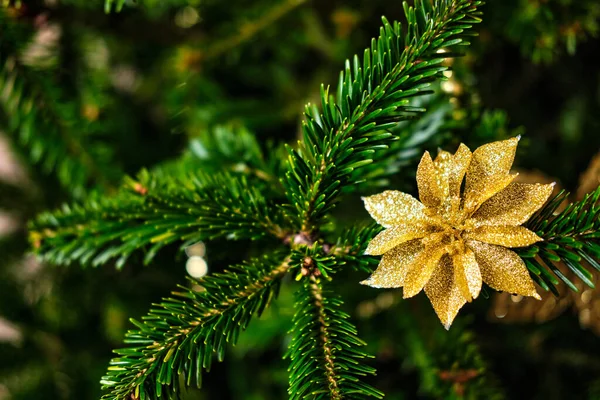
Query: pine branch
point(324, 356)
point(49, 128)
point(351, 245)
point(150, 214)
point(225, 147)
point(324, 259)
point(413, 136)
point(372, 97)
point(570, 237)
point(180, 335)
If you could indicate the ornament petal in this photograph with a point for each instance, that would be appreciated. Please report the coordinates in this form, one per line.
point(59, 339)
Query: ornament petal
point(494, 185)
point(443, 292)
point(432, 188)
point(467, 274)
point(441, 159)
point(422, 268)
point(488, 171)
point(507, 236)
point(394, 236)
point(455, 169)
point(443, 165)
point(513, 205)
point(503, 269)
point(394, 264)
point(395, 208)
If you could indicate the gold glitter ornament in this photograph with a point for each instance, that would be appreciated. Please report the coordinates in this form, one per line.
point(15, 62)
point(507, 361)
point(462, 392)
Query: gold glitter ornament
point(451, 241)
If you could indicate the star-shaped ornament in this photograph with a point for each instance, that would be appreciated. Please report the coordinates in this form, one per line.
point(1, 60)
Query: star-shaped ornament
point(456, 236)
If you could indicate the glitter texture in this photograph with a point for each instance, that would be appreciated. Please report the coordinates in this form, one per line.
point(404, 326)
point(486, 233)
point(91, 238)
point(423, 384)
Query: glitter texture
point(395, 208)
point(514, 205)
point(444, 293)
point(394, 264)
point(395, 236)
point(503, 269)
point(488, 171)
point(507, 236)
point(423, 268)
point(467, 273)
point(431, 191)
point(453, 169)
point(449, 242)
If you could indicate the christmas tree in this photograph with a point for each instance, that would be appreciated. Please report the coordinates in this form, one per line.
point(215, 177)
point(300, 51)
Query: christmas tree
point(195, 203)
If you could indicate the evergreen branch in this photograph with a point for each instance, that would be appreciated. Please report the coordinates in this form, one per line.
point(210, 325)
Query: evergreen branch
point(225, 147)
point(433, 129)
point(326, 259)
point(415, 136)
point(351, 245)
point(325, 362)
point(412, 138)
point(33, 110)
point(181, 334)
point(147, 213)
point(372, 97)
point(570, 237)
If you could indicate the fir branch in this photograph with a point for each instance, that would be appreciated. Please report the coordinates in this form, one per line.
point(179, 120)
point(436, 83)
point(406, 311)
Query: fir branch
point(180, 335)
point(324, 259)
point(324, 355)
point(351, 245)
point(413, 137)
point(49, 128)
point(229, 147)
point(149, 215)
point(373, 95)
point(570, 237)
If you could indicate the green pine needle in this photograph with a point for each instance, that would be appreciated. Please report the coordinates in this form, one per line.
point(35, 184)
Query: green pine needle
point(181, 335)
point(325, 356)
point(571, 237)
point(351, 245)
point(150, 214)
point(373, 95)
point(244, 200)
point(46, 126)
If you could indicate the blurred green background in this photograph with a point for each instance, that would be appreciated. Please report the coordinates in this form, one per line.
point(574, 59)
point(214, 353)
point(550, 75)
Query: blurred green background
point(121, 91)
